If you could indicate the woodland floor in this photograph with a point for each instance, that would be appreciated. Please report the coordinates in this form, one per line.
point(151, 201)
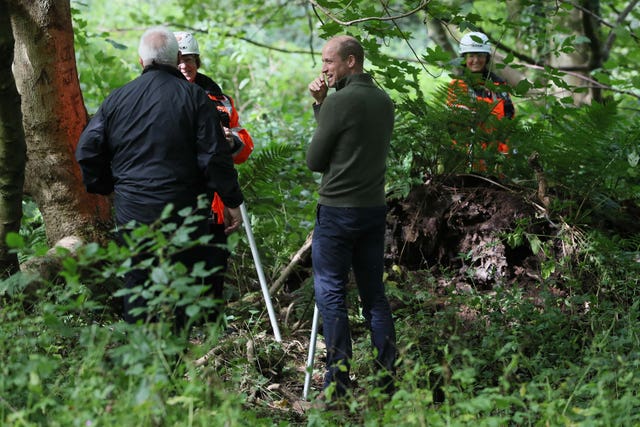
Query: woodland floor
point(463, 233)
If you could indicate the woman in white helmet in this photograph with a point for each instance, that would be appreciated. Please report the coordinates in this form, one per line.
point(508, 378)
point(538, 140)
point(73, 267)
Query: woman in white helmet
point(481, 91)
point(240, 142)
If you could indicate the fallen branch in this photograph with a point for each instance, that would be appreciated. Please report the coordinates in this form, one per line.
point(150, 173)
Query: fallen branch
point(301, 256)
point(534, 162)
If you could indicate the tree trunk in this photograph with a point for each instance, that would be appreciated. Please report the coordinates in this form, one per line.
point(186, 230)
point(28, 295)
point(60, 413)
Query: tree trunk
point(576, 59)
point(53, 117)
point(438, 32)
point(12, 147)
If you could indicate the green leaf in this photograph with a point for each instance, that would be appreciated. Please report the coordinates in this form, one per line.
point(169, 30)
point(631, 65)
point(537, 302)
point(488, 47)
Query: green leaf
point(436, 55)
point(509, 58)
point(192, 310)
point(534, 243)
point(115, 44)
point(159, 275)
point(523, 87)
point(330, 29)
point(15, 241)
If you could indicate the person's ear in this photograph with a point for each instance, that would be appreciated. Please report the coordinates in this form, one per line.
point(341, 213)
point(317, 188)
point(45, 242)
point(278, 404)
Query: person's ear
point(351, 61)
point(141, 63)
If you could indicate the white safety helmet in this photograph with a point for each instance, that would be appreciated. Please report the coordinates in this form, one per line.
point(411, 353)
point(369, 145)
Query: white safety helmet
point(187, 43)
point(474, 42)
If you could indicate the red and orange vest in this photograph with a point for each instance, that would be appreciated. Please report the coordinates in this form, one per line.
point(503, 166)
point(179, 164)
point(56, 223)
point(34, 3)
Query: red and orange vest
point(229, 118)
point(463, 95)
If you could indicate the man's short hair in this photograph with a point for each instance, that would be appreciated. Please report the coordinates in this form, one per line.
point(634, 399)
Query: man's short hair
point(158, 45)
point(348, 45)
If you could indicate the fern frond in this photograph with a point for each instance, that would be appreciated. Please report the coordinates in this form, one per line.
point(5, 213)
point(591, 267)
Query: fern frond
point(265, 165)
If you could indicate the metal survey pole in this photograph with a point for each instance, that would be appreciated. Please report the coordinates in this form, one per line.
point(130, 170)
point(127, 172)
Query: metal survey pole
point(312, 352)
point(263, 280)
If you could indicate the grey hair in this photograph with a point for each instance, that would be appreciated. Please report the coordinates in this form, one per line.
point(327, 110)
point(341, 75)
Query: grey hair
point(158, 45)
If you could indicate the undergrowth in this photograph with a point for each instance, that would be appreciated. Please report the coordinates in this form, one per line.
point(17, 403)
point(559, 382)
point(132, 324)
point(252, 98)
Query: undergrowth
point(466, 358)
point(504, 357)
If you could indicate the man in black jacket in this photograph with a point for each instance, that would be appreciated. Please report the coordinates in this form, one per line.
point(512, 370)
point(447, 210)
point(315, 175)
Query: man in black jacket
point(155, 141)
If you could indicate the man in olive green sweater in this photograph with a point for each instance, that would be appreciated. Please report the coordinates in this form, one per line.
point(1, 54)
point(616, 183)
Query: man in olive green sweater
point(349, 148)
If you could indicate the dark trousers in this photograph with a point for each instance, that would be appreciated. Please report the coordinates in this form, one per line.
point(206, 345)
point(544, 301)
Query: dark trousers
point(212, 257)
point(220, 256)
point(137, 277)
point(345, 238)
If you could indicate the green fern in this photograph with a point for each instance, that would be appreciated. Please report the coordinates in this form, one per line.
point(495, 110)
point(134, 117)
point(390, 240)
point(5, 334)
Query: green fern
point(264, 165)
point(32, 230)
point(280, 194)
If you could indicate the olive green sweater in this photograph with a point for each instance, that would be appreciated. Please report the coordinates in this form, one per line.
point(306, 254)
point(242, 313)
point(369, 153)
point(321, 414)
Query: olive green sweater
point(351, 143)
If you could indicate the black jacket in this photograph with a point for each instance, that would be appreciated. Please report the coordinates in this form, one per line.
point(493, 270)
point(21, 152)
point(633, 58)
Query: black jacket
point(154, 141)
point(210, 86)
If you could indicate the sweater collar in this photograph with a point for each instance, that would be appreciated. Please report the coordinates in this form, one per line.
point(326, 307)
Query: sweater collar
point(164, 67)
point(353, 78)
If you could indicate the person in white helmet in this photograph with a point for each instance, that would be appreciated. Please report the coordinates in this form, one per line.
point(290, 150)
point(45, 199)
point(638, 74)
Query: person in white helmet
point(241, 147)
point(241, 141)
point(482, 92)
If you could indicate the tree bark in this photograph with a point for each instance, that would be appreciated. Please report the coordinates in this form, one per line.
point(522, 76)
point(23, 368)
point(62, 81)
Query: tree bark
point(439, 34)
point(12, 147)
point(54, 116)
point(576, 60)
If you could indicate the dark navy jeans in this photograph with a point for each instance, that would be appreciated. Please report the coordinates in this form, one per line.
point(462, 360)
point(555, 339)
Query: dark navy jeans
point(346, 238)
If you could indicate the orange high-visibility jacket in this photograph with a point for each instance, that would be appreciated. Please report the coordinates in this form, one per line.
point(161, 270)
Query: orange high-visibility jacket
point(485, 90)
point(243, 144)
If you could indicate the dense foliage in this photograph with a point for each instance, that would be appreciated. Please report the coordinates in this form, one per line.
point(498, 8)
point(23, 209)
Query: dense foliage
point(570, 359)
